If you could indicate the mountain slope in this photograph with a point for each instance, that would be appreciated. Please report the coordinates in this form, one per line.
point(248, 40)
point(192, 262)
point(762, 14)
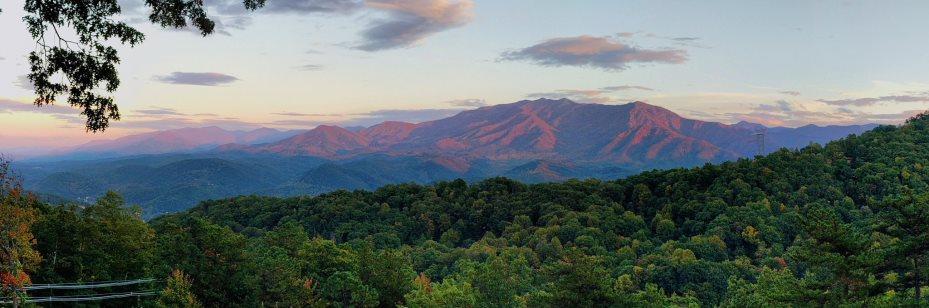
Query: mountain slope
point(634, 134)
point(387, 133)
point(324, 140)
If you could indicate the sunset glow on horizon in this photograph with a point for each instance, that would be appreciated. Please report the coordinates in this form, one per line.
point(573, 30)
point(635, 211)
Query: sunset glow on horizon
point(357, 63)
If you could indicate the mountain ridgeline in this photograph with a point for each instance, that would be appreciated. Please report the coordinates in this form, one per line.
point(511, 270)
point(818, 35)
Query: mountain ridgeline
point(532, 141)
point(834, 225)
point(182, 140)
point(634, 134)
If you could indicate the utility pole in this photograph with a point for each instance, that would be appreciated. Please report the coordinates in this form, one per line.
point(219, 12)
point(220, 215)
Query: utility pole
point(759, 138)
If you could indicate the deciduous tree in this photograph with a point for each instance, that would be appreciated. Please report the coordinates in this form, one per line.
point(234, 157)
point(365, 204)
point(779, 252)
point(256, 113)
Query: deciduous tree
point(17, 253)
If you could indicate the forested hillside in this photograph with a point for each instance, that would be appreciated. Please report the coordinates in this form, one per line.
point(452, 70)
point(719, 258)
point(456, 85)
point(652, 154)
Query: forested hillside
point(839, 224)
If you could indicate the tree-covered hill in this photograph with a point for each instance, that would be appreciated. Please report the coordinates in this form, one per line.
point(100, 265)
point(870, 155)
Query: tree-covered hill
point(846, 223)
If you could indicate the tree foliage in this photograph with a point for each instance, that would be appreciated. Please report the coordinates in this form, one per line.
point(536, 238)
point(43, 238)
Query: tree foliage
point(17, 251)
point(178, 292)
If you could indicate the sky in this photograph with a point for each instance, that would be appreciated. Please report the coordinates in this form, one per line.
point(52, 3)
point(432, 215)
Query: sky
point(295, 64)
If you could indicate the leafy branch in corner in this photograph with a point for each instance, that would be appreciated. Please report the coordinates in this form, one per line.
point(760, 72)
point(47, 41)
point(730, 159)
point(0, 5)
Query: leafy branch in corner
point(83, 68)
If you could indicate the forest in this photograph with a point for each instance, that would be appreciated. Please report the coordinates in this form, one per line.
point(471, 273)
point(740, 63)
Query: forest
point(840, 224)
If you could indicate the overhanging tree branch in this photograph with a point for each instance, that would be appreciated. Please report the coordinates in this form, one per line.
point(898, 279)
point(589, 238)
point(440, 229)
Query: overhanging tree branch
point(88, 71)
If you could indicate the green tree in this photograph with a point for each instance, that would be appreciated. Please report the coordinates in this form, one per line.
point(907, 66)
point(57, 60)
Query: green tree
point(447, 294)
point(212, 255)
point(117, 238)
point(772, 288)
point(275, 276)
point(907, 219)
point(387, 271)
point(579, 280)
point(653, 296)
point(840, 257)
point(103, 241)
point(54, 232)
point(346, 289)
point(500, 280)
point(324, 258)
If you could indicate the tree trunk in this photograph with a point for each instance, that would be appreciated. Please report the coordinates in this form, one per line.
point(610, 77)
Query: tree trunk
point(12, 272)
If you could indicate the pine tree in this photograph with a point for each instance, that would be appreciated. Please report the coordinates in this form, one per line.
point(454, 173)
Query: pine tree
point(839, 257)
point(907, 219)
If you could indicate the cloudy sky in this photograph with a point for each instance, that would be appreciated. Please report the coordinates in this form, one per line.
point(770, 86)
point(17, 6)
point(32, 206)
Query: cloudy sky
point(301, 63)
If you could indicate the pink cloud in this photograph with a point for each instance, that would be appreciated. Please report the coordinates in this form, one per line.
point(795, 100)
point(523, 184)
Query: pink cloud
point(410, 21)
point(598, 52)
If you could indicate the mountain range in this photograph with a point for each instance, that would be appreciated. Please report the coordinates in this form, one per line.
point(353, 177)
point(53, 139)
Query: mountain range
point(532, 140)
point(183, 140)
point(634, 135)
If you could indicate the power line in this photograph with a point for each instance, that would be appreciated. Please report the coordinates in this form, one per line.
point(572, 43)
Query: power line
point(83, 286)
point(85, 298)
point(91, 285)
point(85, 283)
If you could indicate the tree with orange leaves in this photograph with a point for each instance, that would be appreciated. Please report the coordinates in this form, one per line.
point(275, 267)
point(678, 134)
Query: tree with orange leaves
point(178, 292)
point(17, 214)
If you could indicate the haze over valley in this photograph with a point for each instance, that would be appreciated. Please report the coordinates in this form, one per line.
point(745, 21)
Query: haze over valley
point(533, 141)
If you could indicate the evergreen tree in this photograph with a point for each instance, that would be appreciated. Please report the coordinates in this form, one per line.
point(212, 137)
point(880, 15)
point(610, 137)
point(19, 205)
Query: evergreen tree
point(906, 218)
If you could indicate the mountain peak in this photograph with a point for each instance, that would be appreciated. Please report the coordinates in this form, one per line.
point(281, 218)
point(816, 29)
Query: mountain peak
point(324, 140)
point(644, 114)
point(548, 101)
point(331, 133)
point(647, 106)
point(327, 127)
point(394, 124)
point(749, 125)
